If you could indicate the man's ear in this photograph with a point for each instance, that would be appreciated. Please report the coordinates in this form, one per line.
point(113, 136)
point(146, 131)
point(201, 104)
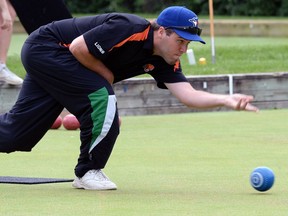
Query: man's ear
point(161, 32)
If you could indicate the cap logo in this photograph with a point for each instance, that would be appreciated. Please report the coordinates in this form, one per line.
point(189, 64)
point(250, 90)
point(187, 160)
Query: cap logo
point(194, 20)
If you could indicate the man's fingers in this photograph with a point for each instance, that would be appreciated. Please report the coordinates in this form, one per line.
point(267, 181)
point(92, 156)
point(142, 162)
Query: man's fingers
point(243, 104)
point(250, 107)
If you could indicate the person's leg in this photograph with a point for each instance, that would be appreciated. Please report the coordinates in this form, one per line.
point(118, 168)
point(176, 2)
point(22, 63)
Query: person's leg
point(97, 140)
point(83, 93)
point(96, 150)
point(29, 119)
point(91, 99)
point(5, 39)
point(5, 36)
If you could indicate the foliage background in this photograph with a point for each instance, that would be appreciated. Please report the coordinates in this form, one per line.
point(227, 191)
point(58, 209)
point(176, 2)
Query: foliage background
point(221, 7)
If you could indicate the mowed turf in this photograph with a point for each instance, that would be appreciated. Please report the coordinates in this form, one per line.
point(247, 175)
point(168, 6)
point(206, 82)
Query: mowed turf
point(180, 164)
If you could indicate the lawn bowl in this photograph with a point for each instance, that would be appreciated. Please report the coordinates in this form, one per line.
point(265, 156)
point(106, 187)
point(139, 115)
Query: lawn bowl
point(70, 122)
point(262, 179)
point(57, 123)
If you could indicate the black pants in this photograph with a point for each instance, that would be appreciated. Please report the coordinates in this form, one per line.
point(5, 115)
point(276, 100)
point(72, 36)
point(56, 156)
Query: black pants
point(35, 13)
point(54, 80)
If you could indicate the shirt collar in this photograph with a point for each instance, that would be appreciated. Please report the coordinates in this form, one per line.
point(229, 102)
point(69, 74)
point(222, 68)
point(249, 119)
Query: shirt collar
point(148, 44)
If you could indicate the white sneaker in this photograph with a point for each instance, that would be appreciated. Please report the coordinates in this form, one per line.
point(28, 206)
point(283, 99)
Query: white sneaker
point(94, 180)
point(9, 77)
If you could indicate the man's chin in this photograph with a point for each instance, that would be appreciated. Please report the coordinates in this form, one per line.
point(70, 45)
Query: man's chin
point(172, 62)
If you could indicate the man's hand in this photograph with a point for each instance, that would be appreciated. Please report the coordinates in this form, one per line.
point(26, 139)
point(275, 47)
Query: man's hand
point(80, 51)
point(240, 102)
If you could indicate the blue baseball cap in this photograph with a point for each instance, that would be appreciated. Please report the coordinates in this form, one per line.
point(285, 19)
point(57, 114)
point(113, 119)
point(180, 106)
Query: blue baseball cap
point(181, 20)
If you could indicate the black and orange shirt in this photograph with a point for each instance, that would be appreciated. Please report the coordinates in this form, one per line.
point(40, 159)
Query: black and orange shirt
point(124, 43)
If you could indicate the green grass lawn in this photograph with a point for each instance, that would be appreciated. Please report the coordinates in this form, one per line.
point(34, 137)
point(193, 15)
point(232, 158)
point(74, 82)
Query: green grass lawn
point(180, 164)
point(233, 55)
point(240, 55)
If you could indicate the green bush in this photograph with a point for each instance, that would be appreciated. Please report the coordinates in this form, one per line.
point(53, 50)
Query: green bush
point(221, 7)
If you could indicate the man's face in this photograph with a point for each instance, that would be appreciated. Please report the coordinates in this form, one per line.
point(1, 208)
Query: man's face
point(171, 47)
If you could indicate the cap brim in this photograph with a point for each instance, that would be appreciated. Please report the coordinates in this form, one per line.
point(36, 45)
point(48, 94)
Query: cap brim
point(189, 36)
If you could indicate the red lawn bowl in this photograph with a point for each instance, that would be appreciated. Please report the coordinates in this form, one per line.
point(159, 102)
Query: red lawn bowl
point(57, 123)
point(70, 122)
